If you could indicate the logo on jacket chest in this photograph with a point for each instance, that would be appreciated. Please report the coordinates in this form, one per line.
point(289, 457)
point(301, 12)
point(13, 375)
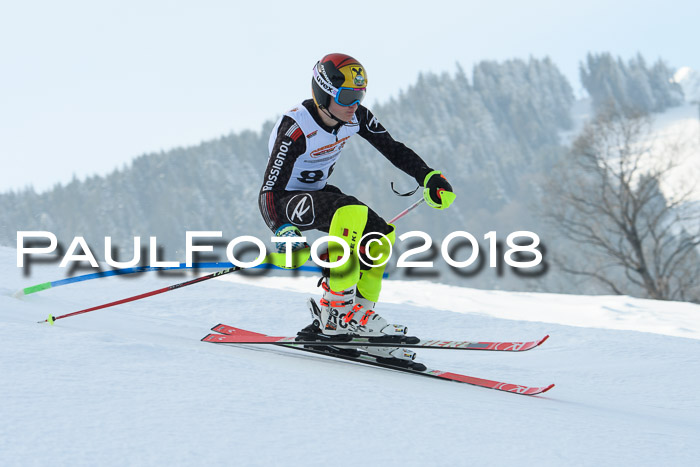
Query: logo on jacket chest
point(335, 146)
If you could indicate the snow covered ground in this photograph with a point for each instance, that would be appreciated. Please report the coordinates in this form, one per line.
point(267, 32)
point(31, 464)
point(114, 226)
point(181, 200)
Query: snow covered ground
point(133, 384)
point(675, 133)
point(689, 80)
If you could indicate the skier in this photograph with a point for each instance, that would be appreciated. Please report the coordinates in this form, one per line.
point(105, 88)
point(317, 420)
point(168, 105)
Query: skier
point(304, 146)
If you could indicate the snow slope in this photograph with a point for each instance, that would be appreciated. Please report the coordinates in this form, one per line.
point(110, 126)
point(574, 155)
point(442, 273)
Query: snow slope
point(133, 385)
point(674, 132)
point(689, 80)
point(677, 131)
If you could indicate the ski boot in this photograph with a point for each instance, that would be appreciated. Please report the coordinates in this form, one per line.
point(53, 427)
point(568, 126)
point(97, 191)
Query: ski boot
point(391, 355)
point(337, 302)
point(346, 314)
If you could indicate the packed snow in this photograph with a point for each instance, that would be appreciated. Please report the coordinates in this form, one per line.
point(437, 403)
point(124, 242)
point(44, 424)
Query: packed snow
point(133, 384)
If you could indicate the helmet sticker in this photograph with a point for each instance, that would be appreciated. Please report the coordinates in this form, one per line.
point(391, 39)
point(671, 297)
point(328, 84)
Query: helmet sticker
point(358, 76)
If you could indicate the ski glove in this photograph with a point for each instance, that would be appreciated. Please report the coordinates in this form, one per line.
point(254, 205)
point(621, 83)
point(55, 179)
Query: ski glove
point(300, 249)
point(437, 190)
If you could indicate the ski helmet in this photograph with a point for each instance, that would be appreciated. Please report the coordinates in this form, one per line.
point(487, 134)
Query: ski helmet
point(340, 77)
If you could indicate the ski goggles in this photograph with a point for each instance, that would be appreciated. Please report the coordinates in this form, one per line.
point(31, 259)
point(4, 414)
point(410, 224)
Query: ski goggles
point(343, 96)
point(350, 96)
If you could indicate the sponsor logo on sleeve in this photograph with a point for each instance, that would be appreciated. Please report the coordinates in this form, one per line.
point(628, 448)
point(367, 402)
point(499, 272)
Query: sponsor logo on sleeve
point(374, 126)
point(300, 210)
point(277, 164)
point(294, 132)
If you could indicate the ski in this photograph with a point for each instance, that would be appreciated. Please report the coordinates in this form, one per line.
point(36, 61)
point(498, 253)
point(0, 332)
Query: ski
point(233, 335)
point(366, 359)
point(444, 375)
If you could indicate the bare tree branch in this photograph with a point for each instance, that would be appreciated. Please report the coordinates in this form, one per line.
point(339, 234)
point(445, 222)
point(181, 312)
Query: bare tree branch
point(610, 201)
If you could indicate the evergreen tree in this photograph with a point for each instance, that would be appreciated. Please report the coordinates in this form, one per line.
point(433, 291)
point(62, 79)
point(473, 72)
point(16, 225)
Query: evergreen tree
point(631, 87)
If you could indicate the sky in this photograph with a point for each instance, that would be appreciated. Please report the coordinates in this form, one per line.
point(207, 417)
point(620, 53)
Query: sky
point(87, 86)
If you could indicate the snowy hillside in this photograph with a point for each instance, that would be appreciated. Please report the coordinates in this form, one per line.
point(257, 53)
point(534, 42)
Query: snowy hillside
point(689, 80)
point(133, 385)
point(678, 128)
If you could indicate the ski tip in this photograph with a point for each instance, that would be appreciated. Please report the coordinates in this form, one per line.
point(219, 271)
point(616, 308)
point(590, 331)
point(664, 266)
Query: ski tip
point(218, 325)
point(547, 388)
point(542, 341)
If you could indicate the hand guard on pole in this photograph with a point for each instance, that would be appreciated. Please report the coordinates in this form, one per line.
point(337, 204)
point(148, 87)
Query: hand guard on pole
point(437, 190)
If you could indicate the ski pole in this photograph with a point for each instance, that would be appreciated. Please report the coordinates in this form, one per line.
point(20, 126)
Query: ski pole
point(406, 211)
point(51, 319)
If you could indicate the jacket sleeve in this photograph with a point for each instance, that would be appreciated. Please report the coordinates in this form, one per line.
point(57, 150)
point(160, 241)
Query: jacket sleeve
point(398, 154)
point(289, 145)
